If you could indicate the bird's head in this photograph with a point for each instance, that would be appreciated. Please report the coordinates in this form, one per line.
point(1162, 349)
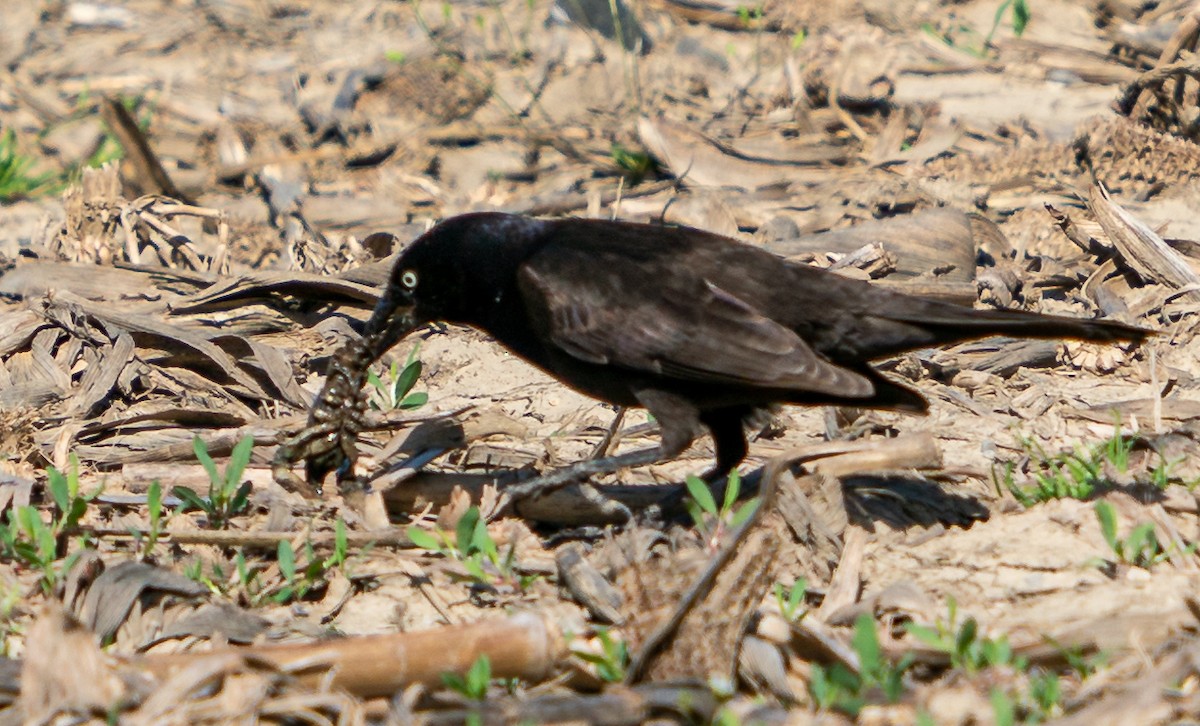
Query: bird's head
point(453, 272)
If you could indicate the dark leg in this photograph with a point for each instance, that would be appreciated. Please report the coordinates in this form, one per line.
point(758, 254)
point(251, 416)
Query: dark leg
point(680, 422)
point(729, 437)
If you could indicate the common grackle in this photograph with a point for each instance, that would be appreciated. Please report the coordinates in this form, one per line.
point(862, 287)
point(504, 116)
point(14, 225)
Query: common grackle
point(701, 330)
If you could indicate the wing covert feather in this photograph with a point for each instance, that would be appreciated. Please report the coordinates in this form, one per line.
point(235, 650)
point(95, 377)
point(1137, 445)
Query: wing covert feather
point(610, 310)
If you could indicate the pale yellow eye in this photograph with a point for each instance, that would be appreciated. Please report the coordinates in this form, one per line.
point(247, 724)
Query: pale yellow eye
point(409, 279)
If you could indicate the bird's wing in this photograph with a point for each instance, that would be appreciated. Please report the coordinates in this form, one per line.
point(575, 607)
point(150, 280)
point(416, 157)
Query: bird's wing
point(612, 310)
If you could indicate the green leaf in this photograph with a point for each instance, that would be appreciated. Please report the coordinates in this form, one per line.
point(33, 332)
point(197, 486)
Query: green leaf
point(925, 634)
point(1021, 16)
point(479, 676)
point(422, 539)
point(799, 587)
point(59, 489)
point(455, 682)
point(1003, 708)
point(1107, 516)
point(414, 400)
point(481, 541)
point(191, 500)
point(407, 378)
point(341, 543)
point(966, 636)
point(286, 558)
point(866, 644)
point(474, 567)
point(701, 494)
point(210, 466)
point(733, 487)
point(464, 532)
point(744, 512)
point(241, 498)
point(238, 461)
point(154, 503)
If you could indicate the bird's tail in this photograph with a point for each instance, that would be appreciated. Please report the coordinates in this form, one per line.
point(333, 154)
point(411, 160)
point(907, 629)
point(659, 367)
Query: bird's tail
point(1023, 324)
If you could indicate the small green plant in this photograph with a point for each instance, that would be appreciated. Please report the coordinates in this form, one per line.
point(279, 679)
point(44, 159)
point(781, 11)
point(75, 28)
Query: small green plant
point(16, 179)
point(215, 579)
point(1020, 18)
point(32, 542)
point(1062, 476)
point(634, 165)
point(228, 495)
point(611, 661)
point(1045, 694)
point(963, 643)
point(1004, 707)
point(396, 392)
point(39, 545)
point(154, 510)
point(11, 629)
point(250, 587)
point(711, 521)
point(474, 685)
point(839, 688)
point(749, 16)
point(71, 503)
point(791, 599)
point(1075, 475)
point(1140, 548)
point(299, 582)
point(474, 549)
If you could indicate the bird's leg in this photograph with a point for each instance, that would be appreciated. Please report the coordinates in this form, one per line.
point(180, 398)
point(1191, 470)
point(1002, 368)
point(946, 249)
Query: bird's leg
point(729, 438)
point(609, 434)
point(679, 421)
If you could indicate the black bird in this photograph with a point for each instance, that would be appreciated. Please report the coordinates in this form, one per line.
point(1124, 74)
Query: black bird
point(701, 330)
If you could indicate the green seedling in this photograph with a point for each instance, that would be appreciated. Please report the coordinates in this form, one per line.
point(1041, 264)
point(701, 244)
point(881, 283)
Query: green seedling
point(71, 503)
point(228, 495)
point(16, 180)
point(1004, 708)
point(1020, 18)
point(154, 508)
point(299, 582)
point(1076, 475)
point(634, 165)
point(30, 541)
point(474, 685)
point(39, 545)
point(839, 688)
point(396, 392)
point(711, 521)
point(11, 628)
point(612, 660)
point(1140, 548)
point(968, 650)
point(791, 600)
point(473, 548)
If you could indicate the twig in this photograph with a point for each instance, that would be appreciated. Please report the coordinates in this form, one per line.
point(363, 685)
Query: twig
point(221, 538)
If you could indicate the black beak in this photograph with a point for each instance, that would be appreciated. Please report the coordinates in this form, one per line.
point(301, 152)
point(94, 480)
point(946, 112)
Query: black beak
point(393, 318)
